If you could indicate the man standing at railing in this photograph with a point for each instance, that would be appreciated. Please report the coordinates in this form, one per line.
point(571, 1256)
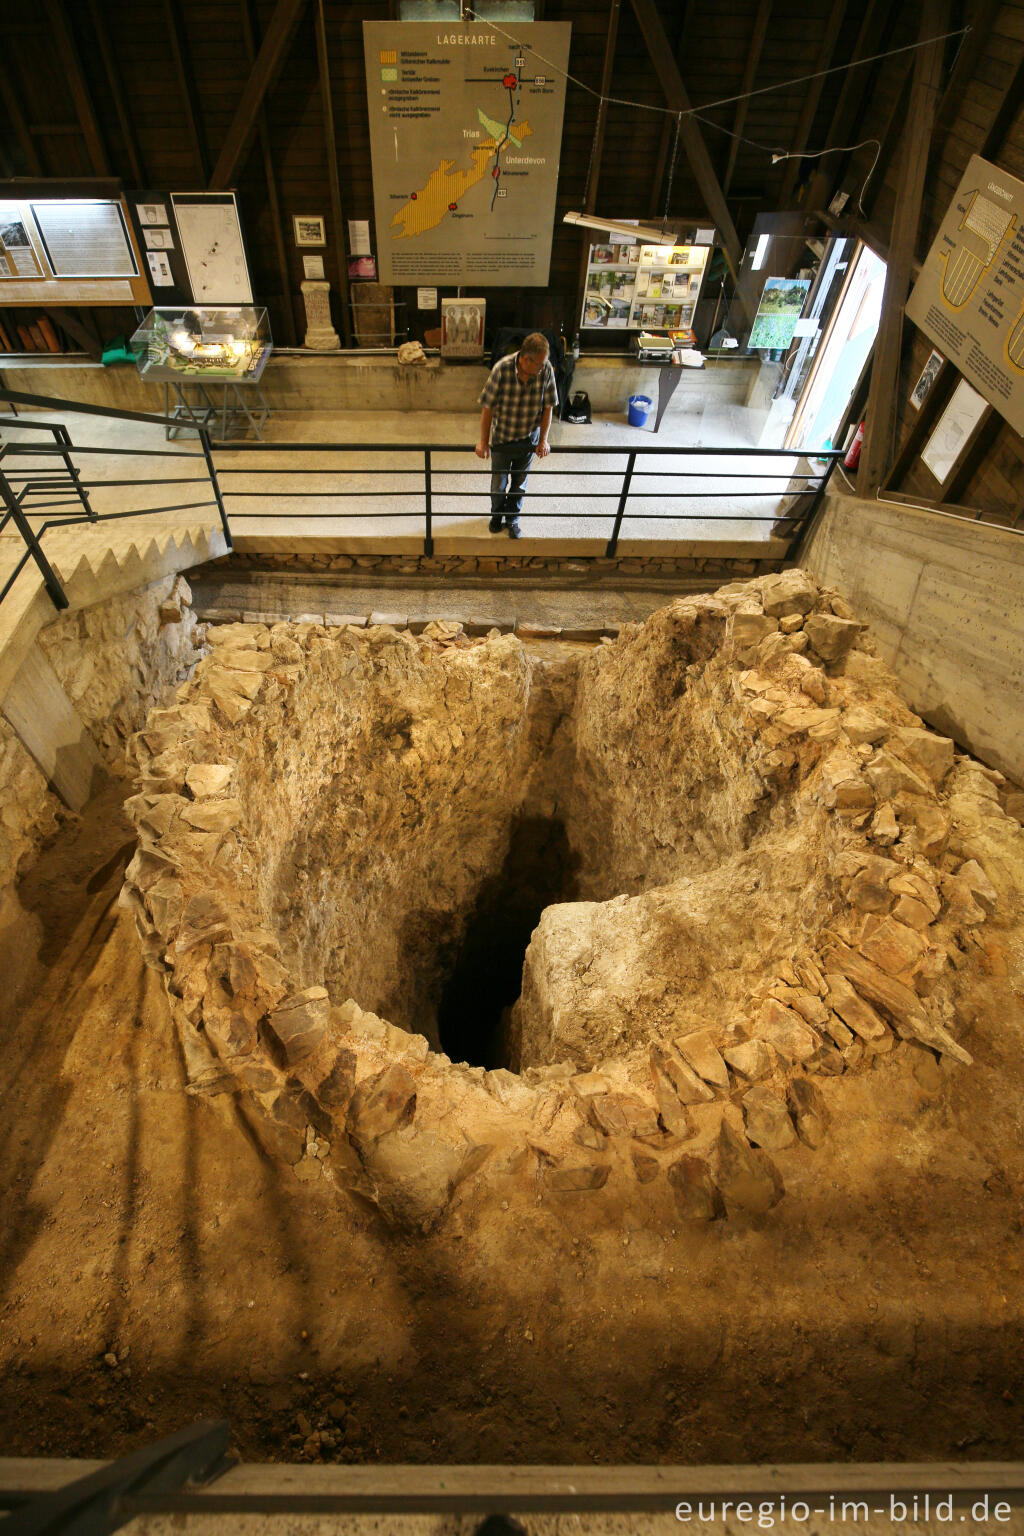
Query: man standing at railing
point(517, 400)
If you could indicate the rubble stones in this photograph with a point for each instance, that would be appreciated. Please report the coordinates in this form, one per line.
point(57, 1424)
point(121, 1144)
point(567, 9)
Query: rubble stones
point(714, 818)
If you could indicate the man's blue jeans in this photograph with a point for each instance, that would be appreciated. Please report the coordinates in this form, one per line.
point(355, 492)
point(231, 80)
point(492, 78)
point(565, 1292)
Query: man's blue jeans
point(510, 465)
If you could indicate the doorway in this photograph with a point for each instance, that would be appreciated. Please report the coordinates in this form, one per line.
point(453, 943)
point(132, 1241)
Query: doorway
point(841, 357)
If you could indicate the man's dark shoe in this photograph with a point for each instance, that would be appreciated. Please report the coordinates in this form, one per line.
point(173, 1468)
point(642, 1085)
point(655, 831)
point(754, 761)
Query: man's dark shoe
point(514, 530)
point(495, 525)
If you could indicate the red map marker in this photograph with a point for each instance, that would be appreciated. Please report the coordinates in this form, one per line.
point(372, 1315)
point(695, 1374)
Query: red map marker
point(510, 82)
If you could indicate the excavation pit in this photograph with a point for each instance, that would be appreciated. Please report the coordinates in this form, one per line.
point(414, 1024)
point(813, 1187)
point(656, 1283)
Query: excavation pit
point(594, 921)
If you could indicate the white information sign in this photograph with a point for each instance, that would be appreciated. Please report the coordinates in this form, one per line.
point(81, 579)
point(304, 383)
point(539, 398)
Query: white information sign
point(465, 137)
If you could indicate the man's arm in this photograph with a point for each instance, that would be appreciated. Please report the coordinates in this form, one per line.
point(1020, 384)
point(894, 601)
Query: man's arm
point(483, 447)
point(544, 447)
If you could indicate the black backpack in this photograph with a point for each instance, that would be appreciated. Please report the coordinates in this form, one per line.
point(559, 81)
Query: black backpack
point(578, 409)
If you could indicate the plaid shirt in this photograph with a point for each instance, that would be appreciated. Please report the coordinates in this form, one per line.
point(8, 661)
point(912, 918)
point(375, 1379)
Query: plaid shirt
point(517, 407)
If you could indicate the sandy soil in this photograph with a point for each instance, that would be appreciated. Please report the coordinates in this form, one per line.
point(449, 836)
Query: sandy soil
point(155, 1269)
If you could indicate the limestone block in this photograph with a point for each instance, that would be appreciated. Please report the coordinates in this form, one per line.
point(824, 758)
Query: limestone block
point(686, 1084)
point(766, 1119)
point(752, 1059)
point(700, 1052)
point(831, 637)
point(861, 725)
point(213, 816)
point(933, 752)
point(645, 1167)
point(852, 1008)
point(748, 1180)
point(890, 777)
point(696, 1196)
point(205, 779)
point(299, 1022)
point(787, 592)
point(869, 890)
point(809, 1112)
point(381, 1103)
point(786, 1031)
point(980, 885)
point(621, 1114)
point(884, 829)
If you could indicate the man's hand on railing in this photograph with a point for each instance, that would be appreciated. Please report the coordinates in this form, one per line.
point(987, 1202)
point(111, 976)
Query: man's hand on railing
point(482, 450)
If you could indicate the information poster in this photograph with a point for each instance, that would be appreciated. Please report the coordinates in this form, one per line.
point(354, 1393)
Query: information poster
point(465, 137)
point(781, 306)
point(969, 299)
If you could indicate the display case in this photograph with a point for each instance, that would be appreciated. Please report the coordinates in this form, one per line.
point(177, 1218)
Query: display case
point(230, 345)
point(643, 287)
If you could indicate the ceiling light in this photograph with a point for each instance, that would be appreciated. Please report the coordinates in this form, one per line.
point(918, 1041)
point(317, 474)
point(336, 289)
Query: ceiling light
point(645, 234)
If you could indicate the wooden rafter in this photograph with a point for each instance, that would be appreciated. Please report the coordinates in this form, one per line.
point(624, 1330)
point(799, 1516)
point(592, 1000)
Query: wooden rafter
point(18, 122)
point(739, 122)
point(812, 97)
point(249, 32)
point(597, 151)
point(186, 80)
point(331, 150)
point(60, 29)
point(667, 70)
point(965, 67)
point(917, 139)
point(113, 78)
point(1005, 113)
point(872, 38)
point(668, 126)
point(264, 71)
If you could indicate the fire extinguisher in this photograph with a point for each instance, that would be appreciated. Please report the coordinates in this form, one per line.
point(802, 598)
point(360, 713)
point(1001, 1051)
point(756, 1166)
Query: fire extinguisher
point(853, 452)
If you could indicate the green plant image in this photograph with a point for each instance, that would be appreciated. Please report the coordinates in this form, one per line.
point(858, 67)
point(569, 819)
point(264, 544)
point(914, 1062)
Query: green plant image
point(778, 312)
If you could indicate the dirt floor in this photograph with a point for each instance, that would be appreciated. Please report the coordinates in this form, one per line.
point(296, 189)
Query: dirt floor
point(155, 1269)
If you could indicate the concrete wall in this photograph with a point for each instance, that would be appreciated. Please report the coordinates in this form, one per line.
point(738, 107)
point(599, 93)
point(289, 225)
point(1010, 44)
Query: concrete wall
point(357, 382)
point(945, 601)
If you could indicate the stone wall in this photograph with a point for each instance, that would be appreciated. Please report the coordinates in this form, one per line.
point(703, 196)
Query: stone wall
point(29, 810)
point(119, 658)
point(945, 601)
point(787, 874)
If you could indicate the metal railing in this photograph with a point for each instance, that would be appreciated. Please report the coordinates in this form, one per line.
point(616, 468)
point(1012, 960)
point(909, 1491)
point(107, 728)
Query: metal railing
point(51, 481)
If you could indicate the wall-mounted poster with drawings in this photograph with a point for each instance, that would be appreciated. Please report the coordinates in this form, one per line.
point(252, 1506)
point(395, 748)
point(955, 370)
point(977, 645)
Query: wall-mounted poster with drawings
point(211, 242)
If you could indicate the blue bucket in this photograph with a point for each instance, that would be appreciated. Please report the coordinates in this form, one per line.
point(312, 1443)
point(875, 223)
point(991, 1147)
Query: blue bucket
point(639, 410)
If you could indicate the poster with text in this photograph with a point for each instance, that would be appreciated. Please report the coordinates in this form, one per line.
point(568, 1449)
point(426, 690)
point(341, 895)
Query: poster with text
point(465, 136)
point(969, 299)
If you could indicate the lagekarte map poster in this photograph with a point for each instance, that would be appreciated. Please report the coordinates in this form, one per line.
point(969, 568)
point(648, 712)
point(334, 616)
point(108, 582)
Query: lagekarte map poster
point(969, 298)
point(465, 136)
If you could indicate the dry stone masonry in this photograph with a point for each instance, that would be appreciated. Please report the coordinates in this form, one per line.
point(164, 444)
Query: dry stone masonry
point(773, 875)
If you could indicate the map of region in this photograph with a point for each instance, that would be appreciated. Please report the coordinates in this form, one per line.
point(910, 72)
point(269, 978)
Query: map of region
point(465, 138)
point(446, 185)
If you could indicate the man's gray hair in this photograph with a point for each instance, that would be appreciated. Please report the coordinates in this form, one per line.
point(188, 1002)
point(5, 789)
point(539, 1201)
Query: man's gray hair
point(535, 345)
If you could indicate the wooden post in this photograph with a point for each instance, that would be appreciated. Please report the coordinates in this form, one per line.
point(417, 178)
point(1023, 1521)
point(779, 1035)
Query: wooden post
point(84, 111)
point(18, 122)
point(590, 196)
point(881, 411)
point(331, 147)
point(249, 25)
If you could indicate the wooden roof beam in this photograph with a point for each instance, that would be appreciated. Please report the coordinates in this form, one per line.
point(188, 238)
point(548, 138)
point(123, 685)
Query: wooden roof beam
point(250, 25)
point(594, 174)
point(84, 111)
point(739, 122)
point(18, 122)
point(830, 38)
point(667, 70)
point(917, 138)
point(110, 69)
point(190, 98)
point(872, 38)
point(273, 52)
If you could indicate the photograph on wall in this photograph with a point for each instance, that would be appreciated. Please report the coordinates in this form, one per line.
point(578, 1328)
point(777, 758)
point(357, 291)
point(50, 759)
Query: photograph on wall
point(465, 139)
point(929, 373)
point(310, 229)
point(362, 266)
point(780, 308)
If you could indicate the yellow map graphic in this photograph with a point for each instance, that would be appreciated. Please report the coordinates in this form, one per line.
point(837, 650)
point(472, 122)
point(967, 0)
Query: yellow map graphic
point(446, 185)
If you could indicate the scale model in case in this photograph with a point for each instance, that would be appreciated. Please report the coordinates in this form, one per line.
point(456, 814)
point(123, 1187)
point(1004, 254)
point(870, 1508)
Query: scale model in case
point(229, 344)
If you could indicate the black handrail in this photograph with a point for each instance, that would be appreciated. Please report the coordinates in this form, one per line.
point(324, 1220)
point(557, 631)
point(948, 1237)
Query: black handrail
point(23, 487)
